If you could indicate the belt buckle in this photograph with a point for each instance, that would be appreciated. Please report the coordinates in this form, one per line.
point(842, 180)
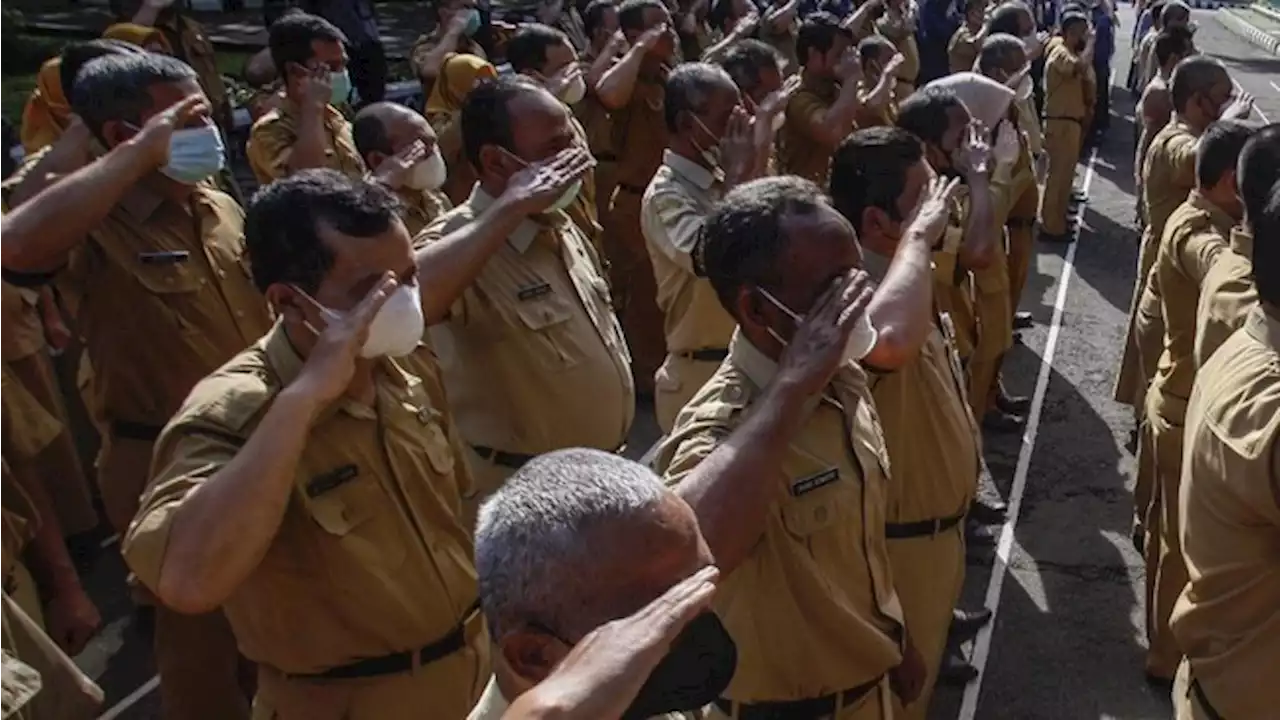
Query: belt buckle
point(937, 526)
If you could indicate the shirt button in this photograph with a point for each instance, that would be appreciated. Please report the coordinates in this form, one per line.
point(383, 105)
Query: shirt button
point(240, 313)
point(820, 514)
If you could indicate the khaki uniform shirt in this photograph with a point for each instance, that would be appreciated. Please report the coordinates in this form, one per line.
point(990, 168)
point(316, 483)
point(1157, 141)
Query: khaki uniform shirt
point(191, 45)
point(1227, 619)
point(371, 557)
point(492, 706)
point(598, 123)
point(799, 152)
point(421, 207)
point(677, 202)
point(532, 353)
point(1194, 236)
point(813, 608)
point(1009, 186)
point(1066, 84)
point(640, 133)
point(931, 436)
point(583, 208)
point(963, 50)
point(167, 298)
point(952, 283)
point(1168, 176)
point(870, 117)
point(1227, 294)
point(20, 323)
point(273, 135)
point(901, 31)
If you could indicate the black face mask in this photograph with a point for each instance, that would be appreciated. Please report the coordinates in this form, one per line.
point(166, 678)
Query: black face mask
point(693, 674)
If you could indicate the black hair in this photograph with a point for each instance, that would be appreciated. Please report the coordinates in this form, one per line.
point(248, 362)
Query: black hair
point(1007, 19)
point(872, 45)
point(718, 15)
point(1195, 75)
point(283, 220)
point(689, 88)
point(1071, 20)
point(1219, 150)
point(631, 13)
point(527, 48)
point(1173, 42)
point(999, 52)
point(1265, 226)
point(118, 87)
point(1157, 14)
point(486, 113)
point(870, 169)
point(76, 55)
point(593, 15)
point(745, 61)
point(819, 32)
point(290, 38)
point(1173, 9)
point(744, 239)
point(369, 129)
point(1259, 168)
point(925, 113)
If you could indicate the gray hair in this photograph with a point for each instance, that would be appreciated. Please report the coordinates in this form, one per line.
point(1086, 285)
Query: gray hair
point(536, 554)
point(118, 87)
point(689, 89)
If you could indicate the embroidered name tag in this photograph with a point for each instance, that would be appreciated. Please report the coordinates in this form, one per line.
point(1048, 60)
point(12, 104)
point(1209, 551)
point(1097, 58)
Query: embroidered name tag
point(534, 291)
point(325, 482)
point(813, 482)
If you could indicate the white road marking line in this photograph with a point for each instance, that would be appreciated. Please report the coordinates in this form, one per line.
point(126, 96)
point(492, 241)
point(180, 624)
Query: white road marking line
point(147, 688)
point(108, 542)
point(1274, 86)
point(982, 643)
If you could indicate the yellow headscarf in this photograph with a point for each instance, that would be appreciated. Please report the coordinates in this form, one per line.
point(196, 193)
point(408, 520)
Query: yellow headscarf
point(140, 35)
point(47, 111)
point(458, 74)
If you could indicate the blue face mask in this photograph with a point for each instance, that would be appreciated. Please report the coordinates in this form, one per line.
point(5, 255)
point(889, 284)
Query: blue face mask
point(195, 154)
point(340, 82)
point(473, 22)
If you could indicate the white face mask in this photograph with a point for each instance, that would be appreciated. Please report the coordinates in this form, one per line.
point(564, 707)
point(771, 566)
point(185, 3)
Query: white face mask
point(566, 198)
point(396, 330)
point(573, 94)
point(862, 339)
point(712, 153)
point(428, 174)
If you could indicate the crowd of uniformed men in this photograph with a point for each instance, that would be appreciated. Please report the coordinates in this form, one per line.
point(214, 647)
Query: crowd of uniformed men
point(359, 436)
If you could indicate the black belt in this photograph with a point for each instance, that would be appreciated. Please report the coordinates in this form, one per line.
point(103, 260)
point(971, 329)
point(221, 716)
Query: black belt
point(810, 709)
point(135, 431)
point(606, 157)
point(1078, 121)
point(1204, 701)
point(921, 528)
point(633, 189)
point(515, 461)
point(1020, 222)
point(705, 355)
point(400, 662)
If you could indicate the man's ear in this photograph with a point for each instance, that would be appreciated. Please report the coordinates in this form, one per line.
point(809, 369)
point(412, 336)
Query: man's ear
point(375, 159)
point(115, 132)
point(285, 302)
point(750, 307)
point(492, 160)
point(531, 655)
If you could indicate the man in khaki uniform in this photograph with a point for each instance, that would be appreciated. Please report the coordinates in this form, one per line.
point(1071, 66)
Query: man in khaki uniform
point(898, 23)
point(547, 590)
point(709, 152)
point(161, 306)
point(399, 148)
point(315, 466)
point(1228, 292)
point(1155, 107)
point(1195, 234)
point(962, 50)
point(823, 110)
point(632, 90)
point(1229, 510)
point(877, 90)
point(882, 183)
point(601, 24)
point(783, 459)
point(532, 354)
point(42, 593)
point(1067, 85)
point(306, 131)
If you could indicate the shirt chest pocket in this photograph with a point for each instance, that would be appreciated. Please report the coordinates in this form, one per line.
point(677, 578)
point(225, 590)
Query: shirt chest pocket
point(358, 519)
point(817, 502)
point(542, 324)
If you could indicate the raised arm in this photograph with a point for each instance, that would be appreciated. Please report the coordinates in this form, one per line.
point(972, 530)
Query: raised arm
point(618, 82)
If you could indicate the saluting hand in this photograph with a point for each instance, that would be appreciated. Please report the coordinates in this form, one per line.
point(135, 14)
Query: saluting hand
point(738, 150)
point(332, 363)
point(816, 350)
point(650, 38)
point(316, 87)
point(537, 186)
point(1240, 108)
point(394, 171)
point(153, 139)
point(563, 78)
point(935, 208)
point(605, 670)
point(974, 156)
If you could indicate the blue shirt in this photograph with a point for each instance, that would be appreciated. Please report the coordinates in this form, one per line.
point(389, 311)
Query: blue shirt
point(1105, 44)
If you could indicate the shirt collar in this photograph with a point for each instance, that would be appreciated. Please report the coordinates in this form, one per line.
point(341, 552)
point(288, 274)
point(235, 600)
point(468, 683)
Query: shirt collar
point(525, 233)
point(1242, 241)
point(1217, 216)
point(492, 705)
point(689, 170)
point(757, 366)
point(1263, 327)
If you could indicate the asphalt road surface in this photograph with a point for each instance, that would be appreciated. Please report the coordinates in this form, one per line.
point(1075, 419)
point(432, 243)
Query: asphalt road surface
point(1068, 639)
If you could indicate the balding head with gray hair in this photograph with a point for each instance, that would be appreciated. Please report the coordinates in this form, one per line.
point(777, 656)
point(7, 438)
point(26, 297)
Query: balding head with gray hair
point(577, 538)
point(690, 88)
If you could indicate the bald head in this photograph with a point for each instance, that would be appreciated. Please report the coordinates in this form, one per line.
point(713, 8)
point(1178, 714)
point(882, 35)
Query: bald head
point(1200, 89)
point(383, 129)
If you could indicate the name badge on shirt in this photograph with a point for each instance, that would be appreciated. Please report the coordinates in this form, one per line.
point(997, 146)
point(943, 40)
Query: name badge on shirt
point(533, 292)
point(164, 258)
point(814, 481)
point(325, 482)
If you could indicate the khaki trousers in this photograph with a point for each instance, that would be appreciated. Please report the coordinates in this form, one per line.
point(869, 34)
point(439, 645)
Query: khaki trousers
point(1166, 568)
point(1062, 141)
point(634, 288)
